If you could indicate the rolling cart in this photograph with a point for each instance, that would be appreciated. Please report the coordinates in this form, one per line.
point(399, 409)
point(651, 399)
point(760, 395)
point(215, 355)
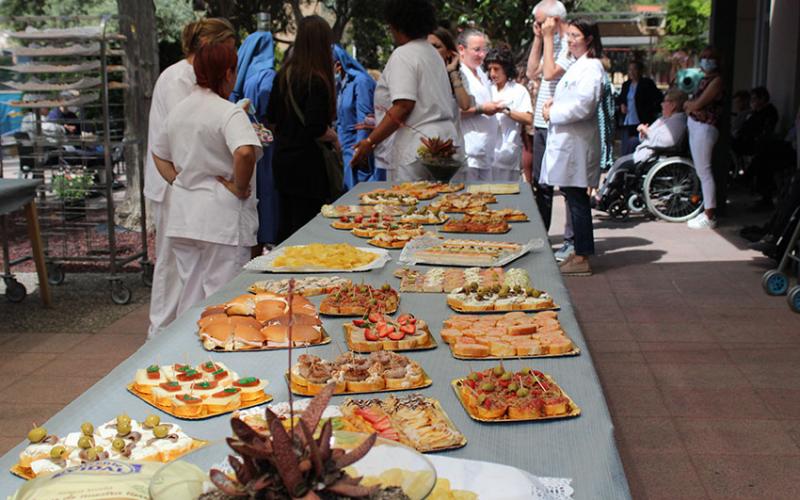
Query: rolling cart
point(776, 281)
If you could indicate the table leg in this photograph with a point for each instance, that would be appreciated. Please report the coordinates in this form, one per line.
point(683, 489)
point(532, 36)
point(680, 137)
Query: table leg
point(38, 252)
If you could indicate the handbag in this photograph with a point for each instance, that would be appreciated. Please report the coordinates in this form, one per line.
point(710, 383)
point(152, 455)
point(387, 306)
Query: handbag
point(334, 164)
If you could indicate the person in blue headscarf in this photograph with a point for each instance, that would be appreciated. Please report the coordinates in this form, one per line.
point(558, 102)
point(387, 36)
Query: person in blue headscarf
point(355, 89)
point(255, 73)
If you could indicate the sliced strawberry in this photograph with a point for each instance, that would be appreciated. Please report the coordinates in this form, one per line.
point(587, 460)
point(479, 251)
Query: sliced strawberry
point(408, 329)
point(403, 318)
point(397, 335)
point(359, 218)
point(375, 317)
point(359, 322)
point(385, 331)
point(344, 218)
point(370, 335)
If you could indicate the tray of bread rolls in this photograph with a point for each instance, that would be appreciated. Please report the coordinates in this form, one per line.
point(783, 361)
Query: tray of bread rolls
point(381, 371)
point(260, 322)
point(197, 392)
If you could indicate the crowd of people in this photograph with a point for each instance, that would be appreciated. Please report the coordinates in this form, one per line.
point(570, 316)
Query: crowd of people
point(331, 125)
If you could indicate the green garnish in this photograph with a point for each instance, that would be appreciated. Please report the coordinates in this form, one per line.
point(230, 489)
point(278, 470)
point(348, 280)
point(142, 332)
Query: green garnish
point(248, 380)
point(152, 369)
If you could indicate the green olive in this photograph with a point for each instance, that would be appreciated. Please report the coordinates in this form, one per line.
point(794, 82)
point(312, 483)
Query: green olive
point(498, 370)
point(91, 455)
point(118, 444)
point(502, 294)
point(472, 376)
point(37, 434)
point(487, 387)
point(506, 376)
point(123, 419)
point(410, 211)
point(160, 431)
point(481, 399)
point(504, 290)
point(57, 451)
point(99, 449)
point(87, 429)
point(522, 392)
point(85, 442)
point(151, 421)
point(513, 386)
point(496, 287)
point(124, 429)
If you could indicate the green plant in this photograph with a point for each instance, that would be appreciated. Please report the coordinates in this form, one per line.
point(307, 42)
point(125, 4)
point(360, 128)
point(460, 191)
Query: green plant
point(687, 24)
point(72, 184)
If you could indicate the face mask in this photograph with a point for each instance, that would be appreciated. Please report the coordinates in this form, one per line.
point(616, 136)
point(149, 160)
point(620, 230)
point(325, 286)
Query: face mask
point(708, 65)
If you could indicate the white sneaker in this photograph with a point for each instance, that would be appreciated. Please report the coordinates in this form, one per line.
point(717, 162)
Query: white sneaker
point(702, 222)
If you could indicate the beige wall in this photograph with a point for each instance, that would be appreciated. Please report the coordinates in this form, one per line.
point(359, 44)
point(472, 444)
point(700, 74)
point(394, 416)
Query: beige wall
point(784, 58)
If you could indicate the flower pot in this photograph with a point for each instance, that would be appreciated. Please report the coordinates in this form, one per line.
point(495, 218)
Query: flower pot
point(74, 209)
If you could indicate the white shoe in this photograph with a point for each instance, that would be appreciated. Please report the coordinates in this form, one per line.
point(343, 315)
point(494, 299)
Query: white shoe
point(702, 222)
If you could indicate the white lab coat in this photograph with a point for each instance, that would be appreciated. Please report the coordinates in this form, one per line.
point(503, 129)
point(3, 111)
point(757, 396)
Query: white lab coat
point(209, 228)
point(572, 155)
point(480, 131)
point(662, 133)
point(508, 145)
point(172, 86)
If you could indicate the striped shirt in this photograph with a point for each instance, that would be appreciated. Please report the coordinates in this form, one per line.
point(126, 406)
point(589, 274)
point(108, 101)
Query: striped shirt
point(548, 87)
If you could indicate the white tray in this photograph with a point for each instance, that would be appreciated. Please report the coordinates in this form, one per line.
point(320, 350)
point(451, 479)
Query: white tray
point(263, 263)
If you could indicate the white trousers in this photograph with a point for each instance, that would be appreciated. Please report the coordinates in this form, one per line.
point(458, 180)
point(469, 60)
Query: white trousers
point(165, 292)
point(204, 268)
point(702, 138)
point(506, 174)
point(477, 174)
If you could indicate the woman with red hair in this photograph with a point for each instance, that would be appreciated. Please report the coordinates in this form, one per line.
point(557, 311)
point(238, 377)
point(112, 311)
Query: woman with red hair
point(207, 153)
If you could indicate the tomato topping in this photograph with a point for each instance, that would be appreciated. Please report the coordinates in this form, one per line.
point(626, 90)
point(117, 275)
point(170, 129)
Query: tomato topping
point(189, 375)
point(246, 382)
point(226, 393)
point(408, 329)
point(359, 218)
point(220, 374)
point(396, 335)
point(181, 368)
point(189, 399)
point(204, 385)
point(170, 386)
point(153, 372)
point(209, 366)
point(375, 317)
point(370, 335)
point(385, 330)
point(344, 218)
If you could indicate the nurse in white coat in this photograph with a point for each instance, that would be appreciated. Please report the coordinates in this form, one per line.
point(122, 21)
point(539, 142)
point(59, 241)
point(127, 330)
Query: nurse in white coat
point(207, 153)
point(517, 112)
point(572, 156)
point(173, 85)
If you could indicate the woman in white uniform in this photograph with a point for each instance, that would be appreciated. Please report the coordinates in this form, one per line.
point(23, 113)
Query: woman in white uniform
point(517, 112)
point(207, 153)
point(572, 155)
point(414, 90)
point(173, 85)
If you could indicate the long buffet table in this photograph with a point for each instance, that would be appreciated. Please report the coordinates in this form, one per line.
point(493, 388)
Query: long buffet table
point(580, 448)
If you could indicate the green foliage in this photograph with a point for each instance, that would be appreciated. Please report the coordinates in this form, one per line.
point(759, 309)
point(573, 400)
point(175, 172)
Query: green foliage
point(72, 184)
point(370, 35)
point(687, 24)
point(171, 16)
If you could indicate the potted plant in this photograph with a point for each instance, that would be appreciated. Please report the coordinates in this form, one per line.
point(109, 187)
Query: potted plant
point(71, 186)
point(438, 156)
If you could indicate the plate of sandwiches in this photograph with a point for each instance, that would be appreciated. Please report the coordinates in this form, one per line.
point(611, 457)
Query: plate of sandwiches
point(397, 239)
point(435, 186)
point(463, 202)
point(480, 222)
point(415, 421)
point(447, 279)
point(336, 211)
point(387, 197)
point(512, 335)
point(149, 440)
point(379, 332)
point(464, 252)
point(360, 300)
point(197, 392)
point(472, 298)
point(354, 374)
point(497, 188)
point(508, 214)
point(307, 287)
point(496, 395)
point(260, 322)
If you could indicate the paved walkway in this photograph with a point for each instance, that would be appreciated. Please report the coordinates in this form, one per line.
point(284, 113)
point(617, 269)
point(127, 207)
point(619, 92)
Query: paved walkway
point(701, 369)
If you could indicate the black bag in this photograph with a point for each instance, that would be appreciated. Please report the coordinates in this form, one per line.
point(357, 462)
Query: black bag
point(334, 164)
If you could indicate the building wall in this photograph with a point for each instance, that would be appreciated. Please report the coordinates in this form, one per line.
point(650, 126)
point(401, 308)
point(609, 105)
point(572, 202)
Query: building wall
point(744, 55)
point(783, 67)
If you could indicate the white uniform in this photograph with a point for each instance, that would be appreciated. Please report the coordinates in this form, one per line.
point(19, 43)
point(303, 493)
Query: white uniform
point(572, 155)
point(211, 230)
point(508, 146)
point(416, 72)
point(172, 86)
point(480, 131)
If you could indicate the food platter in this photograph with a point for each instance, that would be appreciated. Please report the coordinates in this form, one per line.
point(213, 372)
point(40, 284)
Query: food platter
point(463, 252)
point(326, 339)
point(149, 400)
point(303, 391)
point(356, 341)
point(266, 263)
point(497, 188)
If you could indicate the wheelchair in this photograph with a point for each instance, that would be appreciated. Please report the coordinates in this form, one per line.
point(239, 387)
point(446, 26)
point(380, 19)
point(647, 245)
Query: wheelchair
point(665, 186)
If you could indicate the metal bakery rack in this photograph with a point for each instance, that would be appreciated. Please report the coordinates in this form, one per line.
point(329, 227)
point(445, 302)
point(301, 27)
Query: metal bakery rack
point(72, 72)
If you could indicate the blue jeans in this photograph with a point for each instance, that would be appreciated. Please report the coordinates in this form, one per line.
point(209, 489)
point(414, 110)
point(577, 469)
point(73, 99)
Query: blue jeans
point(581, 215)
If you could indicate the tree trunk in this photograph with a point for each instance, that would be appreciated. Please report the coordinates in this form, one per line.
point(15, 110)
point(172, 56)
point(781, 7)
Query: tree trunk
point(138, 24)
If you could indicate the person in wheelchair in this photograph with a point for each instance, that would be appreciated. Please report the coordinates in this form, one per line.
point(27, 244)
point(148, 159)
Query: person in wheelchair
point(666, 133)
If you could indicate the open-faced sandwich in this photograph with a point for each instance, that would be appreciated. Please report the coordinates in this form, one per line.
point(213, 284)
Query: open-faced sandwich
point(379, 332)
point(307, 287)
point(495, 394)
point(500, 298)
point(395, 239)
point(369, 230)
point(461, 252)
point(463, 202)
point(387, 197)
point(447, 279)
point(336, 211)
point(480, 222)
point(507, 214)
point(357, 374)
point(358, 300)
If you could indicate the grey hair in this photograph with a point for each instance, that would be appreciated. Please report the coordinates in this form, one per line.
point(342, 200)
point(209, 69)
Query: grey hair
point(467, 33)
point(551, 8)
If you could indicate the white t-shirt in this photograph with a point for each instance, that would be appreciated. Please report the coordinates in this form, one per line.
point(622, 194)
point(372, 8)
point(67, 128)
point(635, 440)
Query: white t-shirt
point(547, 89)
point(480, 131)
point(415, 71)
point(508, 147)
point(172, 86)
point(200, 136)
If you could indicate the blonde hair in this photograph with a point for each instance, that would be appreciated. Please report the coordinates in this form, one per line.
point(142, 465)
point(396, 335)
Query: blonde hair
point(207, 30)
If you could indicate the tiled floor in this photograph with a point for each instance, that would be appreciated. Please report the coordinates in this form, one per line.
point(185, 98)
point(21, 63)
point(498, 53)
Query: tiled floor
point(701, 370)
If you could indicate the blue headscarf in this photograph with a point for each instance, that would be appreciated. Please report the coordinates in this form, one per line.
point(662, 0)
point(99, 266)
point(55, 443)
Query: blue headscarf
point(352, 67)
point(255, 72)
